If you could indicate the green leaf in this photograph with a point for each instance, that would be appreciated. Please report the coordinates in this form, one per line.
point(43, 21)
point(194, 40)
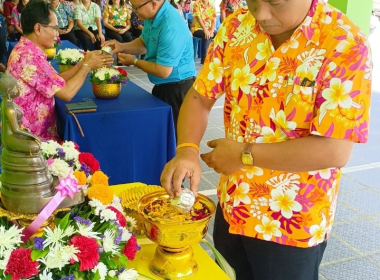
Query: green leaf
point(64, 222)
point(97, 276)
point(36, 254)
point(123, 260)
point(111, 263)
point(8, 277)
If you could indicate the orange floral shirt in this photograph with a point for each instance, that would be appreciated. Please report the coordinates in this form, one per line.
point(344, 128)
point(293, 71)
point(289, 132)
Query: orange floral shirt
point(206, 13)
point(317, 83)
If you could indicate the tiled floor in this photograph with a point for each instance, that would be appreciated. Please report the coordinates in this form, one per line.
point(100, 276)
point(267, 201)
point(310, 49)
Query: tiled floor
point(353, 251)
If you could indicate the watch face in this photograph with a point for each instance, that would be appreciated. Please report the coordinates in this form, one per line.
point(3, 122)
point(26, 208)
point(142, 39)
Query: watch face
point(247, 159)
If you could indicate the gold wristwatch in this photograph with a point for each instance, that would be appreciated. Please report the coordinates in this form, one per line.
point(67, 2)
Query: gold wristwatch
point(246, 155)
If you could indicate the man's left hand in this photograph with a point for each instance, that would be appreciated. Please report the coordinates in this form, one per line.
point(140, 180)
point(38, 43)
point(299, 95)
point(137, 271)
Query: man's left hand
point(126, 59)
point(225, 157)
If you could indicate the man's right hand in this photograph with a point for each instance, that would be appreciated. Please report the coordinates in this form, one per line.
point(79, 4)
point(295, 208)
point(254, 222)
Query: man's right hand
point(184, 164)
point(115, 46)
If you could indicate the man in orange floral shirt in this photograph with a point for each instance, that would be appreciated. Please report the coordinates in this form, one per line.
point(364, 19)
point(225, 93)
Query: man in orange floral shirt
point(296, 75)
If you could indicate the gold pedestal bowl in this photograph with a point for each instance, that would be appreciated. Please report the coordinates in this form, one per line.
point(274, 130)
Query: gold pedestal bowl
point(106, 91)
point(50, 53)
point(174, 257)
point(62, 68)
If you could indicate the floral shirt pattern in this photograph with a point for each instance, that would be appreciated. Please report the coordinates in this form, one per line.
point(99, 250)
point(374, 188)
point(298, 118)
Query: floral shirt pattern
point(16, 17)
point(206, 13)
point(317, 83)
point(87, 17)
point(135, 21)
point(63, 14)
point(38, 83)
point(71, 5)
point(229, 6)
point(116, 16)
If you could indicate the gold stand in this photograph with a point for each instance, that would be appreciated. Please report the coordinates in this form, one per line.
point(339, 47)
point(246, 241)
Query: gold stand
point(170, 263)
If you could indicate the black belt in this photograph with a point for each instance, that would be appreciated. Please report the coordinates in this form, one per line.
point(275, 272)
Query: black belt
point(178, 83)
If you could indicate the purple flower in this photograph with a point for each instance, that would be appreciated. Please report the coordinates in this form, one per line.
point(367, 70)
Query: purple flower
point(70, 277)
point(80, 220)
point(114, 78)
point(119, 235)
point(100, 250)
point(73, 214)
point(70, 163)
point(38, 243)
point(124, 81)
point(61, 153)
point(85, 169)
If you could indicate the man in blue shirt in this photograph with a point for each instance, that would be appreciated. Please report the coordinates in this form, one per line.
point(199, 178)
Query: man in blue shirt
point(168, 47)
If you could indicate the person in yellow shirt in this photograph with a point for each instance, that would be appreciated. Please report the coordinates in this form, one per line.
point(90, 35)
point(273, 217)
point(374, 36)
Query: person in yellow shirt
point(296, 80)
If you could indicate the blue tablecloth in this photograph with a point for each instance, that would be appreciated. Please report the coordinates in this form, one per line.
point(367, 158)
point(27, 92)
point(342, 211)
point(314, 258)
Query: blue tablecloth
point(132, 136)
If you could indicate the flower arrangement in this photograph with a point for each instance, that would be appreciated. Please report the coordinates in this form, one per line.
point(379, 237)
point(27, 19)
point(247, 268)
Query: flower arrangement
point(57, 42)
point(109, 75)
point(91, 241)
point(69, 56)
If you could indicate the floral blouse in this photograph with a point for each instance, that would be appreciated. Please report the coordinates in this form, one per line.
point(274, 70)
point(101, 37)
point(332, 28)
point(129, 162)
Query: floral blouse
point(16, 17)
point(38, 82)
point(63, 14)
point(87, 17)
point(116, 16)
point(229, 6)
point(316, 83)
point(206, 12)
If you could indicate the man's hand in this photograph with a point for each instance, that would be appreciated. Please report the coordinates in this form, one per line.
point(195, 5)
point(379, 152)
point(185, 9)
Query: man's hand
point(184, 164)
point(115, 46)
point(226, 156)
point(126, 59)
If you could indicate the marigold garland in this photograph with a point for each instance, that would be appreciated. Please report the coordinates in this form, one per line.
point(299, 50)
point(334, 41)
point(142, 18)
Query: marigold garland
point(99, 178)
point(81, 177)
point(100, 192)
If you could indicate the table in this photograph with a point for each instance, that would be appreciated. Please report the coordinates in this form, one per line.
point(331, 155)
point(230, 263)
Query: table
point(131, 136)
point(207, 267)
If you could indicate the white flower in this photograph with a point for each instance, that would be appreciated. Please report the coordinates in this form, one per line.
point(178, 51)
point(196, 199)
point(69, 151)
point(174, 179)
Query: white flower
point(49, 148)
point(101, 268)
point(86, 231)
point(70, 153)
point(4, 261)
point(109, 242)
point(45, 275)
point(111, 273)
point(59, 168)
point(69, 56)
point(9, 239)
point(284, 202)
point(54, 238)
point(269, 228)
point(69, 252)
point(97, 206)
point(131, 222)
point(116, 202)
point(55, 259)
point(241, 194)
point(101, 73)
point(107, 215)
point(126, 235)
point(128, 274)
point(318, 232)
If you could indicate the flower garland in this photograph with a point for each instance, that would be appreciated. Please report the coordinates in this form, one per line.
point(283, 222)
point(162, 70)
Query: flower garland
point(85, 242)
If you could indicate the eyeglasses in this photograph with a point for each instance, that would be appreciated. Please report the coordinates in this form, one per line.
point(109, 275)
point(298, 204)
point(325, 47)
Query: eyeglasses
point(142, 5)
point(56, 28)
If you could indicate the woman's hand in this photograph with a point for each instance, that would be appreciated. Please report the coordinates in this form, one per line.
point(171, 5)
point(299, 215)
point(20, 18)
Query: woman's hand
point(101, 37)
point(96, 59)
point(92, 37)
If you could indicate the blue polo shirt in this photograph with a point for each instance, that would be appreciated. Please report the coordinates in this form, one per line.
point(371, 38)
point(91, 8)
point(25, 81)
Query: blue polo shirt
point(169, 43)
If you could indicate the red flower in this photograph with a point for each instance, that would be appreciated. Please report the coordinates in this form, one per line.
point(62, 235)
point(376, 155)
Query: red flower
point(131, 248)
point(89, 255)
point(119, 216)
point(122, 71)
point(89, 160)
point(20, 264)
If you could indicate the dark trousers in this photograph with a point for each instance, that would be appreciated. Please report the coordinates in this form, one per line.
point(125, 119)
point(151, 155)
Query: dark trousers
point(173, 94)
point(255, 259)
point(122, 38)
point(3, 48)
point(85, 40)
point(69, 37)
point(136, 32)
point(204, 44)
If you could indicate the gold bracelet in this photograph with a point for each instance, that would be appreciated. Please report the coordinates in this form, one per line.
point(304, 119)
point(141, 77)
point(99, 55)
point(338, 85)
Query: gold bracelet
point(195, 146)
point(135, 61)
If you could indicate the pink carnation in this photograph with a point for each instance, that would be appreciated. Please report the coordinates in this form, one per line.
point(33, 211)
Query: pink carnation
point(88, 255)
point(20, 264)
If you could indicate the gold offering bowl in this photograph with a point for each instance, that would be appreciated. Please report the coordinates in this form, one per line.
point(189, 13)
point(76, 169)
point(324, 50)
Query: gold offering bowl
point(174, 257)
point(106, 91)
point(50, 53)
point(63, 68)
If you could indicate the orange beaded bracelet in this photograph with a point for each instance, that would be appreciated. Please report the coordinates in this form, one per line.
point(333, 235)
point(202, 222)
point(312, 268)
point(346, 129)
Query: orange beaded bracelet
point(195, 146)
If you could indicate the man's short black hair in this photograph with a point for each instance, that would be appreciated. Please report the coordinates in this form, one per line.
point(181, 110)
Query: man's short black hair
point(36, 11)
